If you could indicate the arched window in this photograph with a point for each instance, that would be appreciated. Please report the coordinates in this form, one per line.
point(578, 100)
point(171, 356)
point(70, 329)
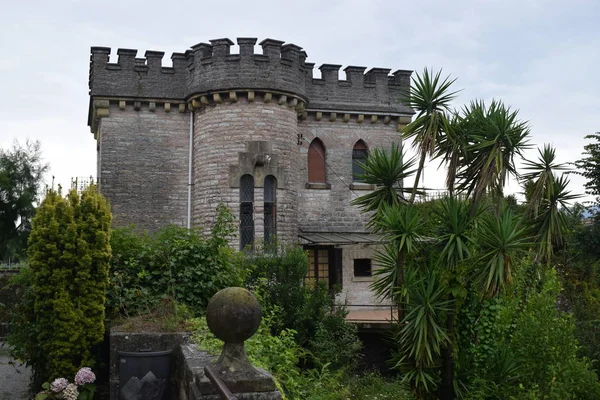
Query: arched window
point(359, 156)
point(316, 162)
point(270, 205)
point(246, 211)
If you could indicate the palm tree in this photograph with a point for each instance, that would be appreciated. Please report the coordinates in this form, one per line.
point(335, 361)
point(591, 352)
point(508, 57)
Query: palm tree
point(402, 228)
point(387, 171)
point(502, 240)
point(551, 222)
point(541, 175)
point(455, 241)
point(430, 97)
point(496, 136)
point(400, 225)
point(452, 147)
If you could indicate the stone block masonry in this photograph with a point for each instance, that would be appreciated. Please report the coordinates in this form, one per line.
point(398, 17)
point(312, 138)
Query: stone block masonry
point(248, 114)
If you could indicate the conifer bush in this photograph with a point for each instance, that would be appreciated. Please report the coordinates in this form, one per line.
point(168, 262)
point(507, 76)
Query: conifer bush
point(61, 319)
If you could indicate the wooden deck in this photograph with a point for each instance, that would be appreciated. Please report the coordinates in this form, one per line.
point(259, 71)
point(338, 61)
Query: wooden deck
point(383, 316)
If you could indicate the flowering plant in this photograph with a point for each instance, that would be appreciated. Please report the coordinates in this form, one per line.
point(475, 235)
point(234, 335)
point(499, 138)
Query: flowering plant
point(61, 388)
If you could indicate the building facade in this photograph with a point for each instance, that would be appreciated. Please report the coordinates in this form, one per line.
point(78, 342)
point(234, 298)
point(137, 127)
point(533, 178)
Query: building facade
point(255, 131)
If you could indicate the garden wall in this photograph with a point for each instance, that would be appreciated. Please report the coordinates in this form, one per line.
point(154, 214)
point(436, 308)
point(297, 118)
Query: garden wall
point(187, 379)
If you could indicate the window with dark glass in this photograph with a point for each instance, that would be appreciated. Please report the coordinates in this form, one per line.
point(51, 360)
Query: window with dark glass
point(270, 211)
point(362, 267)
point(324, 264)
point(246, 211)
point(359, 157)
point(316, 162)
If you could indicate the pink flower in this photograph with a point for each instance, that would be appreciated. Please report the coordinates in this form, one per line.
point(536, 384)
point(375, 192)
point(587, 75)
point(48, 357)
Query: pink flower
point(85, 375)
point(58, 385)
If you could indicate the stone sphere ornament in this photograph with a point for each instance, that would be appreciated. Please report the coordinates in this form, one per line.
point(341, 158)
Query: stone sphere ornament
point(233, 315)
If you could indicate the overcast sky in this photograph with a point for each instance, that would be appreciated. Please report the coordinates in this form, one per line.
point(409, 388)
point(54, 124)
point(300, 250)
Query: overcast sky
point(541, 57)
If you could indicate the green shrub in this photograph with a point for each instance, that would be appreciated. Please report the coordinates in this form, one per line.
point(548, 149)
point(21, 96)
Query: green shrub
point(280, 354)
point(61, 317)
point(185, 265)
point(276, 276)
point(544, 340)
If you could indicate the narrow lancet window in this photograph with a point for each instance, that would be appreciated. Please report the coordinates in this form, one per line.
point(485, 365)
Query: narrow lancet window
point(246, 212)
point(270, 204)
point(316, 162)
point(360, 153)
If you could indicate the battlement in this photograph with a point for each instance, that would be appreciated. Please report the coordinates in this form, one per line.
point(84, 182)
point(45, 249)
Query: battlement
point(211, 68)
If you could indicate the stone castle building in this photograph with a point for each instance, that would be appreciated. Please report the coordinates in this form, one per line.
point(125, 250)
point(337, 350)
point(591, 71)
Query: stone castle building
point(256, 131)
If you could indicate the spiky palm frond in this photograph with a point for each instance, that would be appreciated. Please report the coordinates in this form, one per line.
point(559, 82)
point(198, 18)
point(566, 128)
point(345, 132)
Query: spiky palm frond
point(456, 224)
point(423, 336)
point(497, 136)
point(402, 227)
point(551, 223)
point(502, 241)
point(430, 97)
point(386, 169)
point(452, 147)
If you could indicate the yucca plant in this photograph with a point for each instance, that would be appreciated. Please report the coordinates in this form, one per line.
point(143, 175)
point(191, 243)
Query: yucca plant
point(387, 170)
point(551, 222)
point(502, 239)
point(402, 228)
point(430, 97)
point(422, 335)
point(540, 176)
point(497, 136)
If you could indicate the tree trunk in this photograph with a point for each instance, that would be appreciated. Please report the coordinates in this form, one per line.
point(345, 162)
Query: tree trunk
point(417, 177)
point(447, 387)
point(400, 284)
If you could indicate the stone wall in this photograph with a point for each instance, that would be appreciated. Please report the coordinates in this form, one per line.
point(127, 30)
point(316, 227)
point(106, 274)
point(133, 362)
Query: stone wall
point(143, 165)
point(226, 146)
point(329, 209)
point(356, 290)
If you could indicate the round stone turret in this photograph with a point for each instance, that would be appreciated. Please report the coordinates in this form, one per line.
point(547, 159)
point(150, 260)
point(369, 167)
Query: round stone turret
point(281, 68)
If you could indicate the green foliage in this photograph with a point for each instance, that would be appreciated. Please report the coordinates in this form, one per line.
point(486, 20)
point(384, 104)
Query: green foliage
point(589, 166)
point(430, 97)
point(21, 173)
point(502, 240)
point(387, 170)
point(280, 354)
point(550, 360)
point(276, 276)
point(185, 265)
point(61, 317)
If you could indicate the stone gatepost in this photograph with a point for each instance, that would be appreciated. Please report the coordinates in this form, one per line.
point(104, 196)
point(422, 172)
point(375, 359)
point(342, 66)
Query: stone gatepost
point(233, 315)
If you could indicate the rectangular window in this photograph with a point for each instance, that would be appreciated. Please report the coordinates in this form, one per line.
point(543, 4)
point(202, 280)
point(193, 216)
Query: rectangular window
point(324, 264)
point(362, 267)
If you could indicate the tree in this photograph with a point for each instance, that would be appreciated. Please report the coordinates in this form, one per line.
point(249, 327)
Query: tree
point(62, 317)
point(21, 173)
point(589, 167)
point(430, 97)
point(496, 136)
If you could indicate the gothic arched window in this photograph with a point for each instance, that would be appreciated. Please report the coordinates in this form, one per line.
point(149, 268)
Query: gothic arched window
point(360, 153)
point(270, 208)
point(246, 211)
point(316, 162)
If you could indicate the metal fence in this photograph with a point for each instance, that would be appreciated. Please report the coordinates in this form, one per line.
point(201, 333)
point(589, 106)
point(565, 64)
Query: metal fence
point(371, 313)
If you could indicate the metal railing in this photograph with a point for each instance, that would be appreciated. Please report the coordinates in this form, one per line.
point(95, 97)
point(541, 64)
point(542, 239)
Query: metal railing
point(219, 384)
point(376, 313)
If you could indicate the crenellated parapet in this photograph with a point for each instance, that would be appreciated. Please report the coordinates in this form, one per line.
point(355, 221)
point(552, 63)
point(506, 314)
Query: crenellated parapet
point(375, 91)
point(210, 72)
point(280, 68)
point(135, 78)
